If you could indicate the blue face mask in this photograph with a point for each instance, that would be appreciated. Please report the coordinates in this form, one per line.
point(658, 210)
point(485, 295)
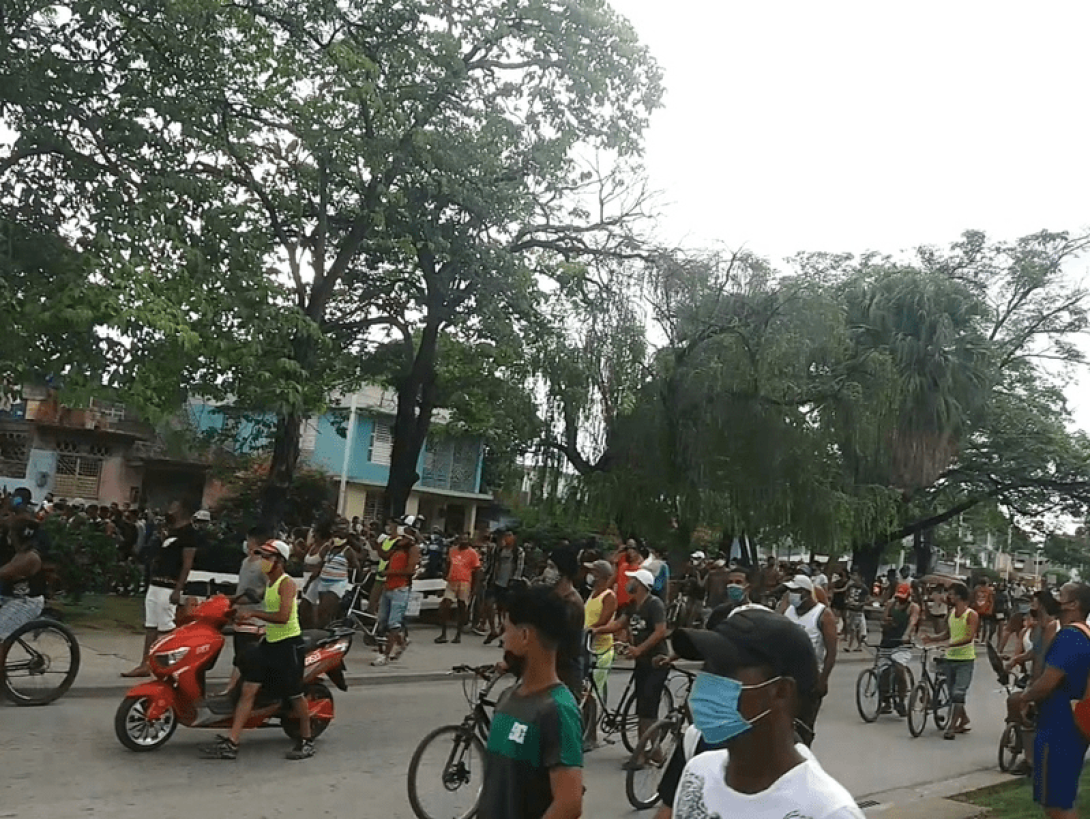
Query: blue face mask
point(736, 594)
point(714, 705)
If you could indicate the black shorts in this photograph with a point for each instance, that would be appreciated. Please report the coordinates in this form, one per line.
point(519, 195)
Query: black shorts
point(277, 667)
point(244, 643)
point(497, 595)
point(649, 684)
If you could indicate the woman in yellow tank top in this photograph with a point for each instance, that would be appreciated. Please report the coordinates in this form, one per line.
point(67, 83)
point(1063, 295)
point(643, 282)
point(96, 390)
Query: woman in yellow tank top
point(276, 662)
point(598, 612)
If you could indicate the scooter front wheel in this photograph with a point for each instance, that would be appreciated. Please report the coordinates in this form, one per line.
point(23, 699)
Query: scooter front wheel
point(138, 733)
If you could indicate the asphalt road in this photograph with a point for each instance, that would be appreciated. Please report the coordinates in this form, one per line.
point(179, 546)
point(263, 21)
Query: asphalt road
point(64, 761)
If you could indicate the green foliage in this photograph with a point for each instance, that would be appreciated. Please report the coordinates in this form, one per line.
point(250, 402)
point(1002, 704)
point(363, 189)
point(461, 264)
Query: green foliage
point(86, 560)
point(312, 496)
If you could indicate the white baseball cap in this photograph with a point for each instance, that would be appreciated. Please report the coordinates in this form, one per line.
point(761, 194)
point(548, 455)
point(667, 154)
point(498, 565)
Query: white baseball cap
point(277, 546)
point(698, 555)
point(643, 576)
point(202, 515)
point(801, 582)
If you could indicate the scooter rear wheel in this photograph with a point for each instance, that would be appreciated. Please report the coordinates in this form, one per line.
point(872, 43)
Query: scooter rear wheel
point(314, 691)
point(136, 732)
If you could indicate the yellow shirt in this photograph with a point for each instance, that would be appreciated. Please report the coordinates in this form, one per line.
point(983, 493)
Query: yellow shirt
point(592, 611)
point(959, 630)
point(275, 632)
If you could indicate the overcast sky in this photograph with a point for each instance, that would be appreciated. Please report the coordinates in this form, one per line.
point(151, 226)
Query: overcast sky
point(853, 126)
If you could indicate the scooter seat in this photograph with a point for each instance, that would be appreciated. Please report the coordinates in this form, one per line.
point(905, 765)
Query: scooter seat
point(312, 638)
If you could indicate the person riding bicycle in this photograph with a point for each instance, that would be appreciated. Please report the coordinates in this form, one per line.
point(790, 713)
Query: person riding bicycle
point(899, 622)
point(276, 663)
point(22, 579)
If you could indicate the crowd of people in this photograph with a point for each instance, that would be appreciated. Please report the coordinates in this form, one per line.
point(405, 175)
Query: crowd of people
point(768, 637)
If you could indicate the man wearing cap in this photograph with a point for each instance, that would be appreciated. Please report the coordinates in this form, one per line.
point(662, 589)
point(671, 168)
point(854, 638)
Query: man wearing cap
point(396, 590)
point(598, 613)
point(898, 625)
point(276, 662)
point(646, 619)
point(819, 625)
point(759, 670)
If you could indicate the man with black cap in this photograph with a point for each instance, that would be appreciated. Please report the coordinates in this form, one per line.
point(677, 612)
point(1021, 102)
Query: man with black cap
point(759, 668)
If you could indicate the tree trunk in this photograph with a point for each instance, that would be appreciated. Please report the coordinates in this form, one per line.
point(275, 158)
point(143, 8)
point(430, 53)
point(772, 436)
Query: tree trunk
point(865, 560)
point(415, 405)
point(274, 497)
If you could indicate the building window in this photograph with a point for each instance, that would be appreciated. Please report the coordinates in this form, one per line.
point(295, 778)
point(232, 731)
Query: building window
point(382, 444)
point(14, 454)
point(374, 504)
point(79, 468)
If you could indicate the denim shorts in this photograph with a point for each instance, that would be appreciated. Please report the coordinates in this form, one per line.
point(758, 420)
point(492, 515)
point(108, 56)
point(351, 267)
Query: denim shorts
point(959, 675)
point(392, 607)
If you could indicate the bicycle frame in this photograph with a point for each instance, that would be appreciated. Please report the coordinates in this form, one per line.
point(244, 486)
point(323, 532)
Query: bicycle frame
point(610, 722)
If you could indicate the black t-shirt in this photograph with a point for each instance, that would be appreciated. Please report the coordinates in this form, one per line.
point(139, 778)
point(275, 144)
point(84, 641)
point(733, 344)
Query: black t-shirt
point(530, 736)
point(643, 622)
point(167, 561)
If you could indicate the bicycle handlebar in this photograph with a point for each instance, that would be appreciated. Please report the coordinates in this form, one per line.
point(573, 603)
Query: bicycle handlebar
point(482, 671)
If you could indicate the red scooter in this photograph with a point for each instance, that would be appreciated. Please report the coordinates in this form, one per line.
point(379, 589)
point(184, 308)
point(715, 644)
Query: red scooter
point(151, 711)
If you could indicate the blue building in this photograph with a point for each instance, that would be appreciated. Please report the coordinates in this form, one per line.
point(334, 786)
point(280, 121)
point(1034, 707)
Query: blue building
point(448, 493)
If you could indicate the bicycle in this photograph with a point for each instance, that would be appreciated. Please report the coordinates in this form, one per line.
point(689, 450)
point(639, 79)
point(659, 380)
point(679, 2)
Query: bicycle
point(595, 711)
point(929, 695)
point(461, 757)
point(1012, 742)
point(874, 686)
point(38, 662)
point(657, 746)
point(357, 614)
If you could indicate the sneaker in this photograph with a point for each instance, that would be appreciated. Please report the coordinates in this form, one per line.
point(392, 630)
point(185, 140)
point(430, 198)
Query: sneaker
point(899, 707)
point(442, 638)
point(304, 749)
point(380, 660)
point(480, 632)
point(222, 748)
point(885, 708)
point(457, 638)
point(488, 640)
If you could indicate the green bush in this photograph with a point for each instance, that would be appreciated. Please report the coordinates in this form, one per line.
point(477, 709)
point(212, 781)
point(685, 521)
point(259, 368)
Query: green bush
point(85, 560)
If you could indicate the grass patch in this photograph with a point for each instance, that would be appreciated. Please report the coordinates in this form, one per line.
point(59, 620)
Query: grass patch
point(1014, 799)
point(104, 612)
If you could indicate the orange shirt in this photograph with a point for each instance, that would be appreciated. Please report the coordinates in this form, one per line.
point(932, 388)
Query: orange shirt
point(463, 563)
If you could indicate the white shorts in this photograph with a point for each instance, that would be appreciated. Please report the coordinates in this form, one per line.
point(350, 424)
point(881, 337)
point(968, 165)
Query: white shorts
point(158, 610)
point(319, 587)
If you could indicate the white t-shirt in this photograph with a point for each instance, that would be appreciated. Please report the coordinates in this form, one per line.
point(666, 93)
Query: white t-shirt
point(821, 580)
point(804, 792)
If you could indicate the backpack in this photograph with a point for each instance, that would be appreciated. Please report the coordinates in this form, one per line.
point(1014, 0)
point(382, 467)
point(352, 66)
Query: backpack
point(1081, 709)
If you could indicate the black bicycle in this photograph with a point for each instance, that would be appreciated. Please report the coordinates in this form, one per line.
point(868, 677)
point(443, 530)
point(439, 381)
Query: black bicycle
point(446, 772)
point(875, 688)
point(623, 720)
point(931, 695)
point(655, 749)
point(40, 660)
point(356, 614)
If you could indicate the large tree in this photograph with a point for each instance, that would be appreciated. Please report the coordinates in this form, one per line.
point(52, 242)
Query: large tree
point(261, 170)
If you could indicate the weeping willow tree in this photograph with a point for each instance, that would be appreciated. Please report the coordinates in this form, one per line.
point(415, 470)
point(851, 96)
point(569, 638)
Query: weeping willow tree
point(850, 402)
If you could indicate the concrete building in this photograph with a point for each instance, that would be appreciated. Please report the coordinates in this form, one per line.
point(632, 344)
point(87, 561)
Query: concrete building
point(353, 442)
point(100, 453)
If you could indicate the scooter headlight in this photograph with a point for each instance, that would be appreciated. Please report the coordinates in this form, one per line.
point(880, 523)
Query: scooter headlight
point(169, 658)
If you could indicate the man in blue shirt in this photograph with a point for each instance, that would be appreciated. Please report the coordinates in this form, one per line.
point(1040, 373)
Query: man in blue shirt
point(1060, 747)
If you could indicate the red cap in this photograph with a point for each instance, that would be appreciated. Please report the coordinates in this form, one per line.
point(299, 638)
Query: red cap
point(904, 590)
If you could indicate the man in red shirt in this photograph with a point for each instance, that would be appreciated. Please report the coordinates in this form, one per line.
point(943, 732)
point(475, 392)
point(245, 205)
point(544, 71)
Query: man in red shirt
point(627, 561)
point(463, 563)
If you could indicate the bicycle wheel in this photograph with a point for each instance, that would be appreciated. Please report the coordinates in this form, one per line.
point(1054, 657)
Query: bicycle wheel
point(657, 747)
point(40, 662)
point(867, 696)
point(446, 774)
point(1010, 747)
point(630, 723)
point(942, 704)
point(919, 703)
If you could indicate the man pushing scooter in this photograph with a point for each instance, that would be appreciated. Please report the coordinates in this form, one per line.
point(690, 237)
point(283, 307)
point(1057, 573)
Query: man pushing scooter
point(276, 663)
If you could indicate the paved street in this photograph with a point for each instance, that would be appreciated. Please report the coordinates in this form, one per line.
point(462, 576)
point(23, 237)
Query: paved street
point(64, 761)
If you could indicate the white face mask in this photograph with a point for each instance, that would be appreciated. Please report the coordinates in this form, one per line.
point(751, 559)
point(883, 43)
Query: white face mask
point(795, 599)
point(590, 579)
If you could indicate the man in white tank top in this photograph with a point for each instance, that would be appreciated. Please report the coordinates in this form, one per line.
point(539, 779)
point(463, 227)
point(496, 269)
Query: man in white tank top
point(819, 624)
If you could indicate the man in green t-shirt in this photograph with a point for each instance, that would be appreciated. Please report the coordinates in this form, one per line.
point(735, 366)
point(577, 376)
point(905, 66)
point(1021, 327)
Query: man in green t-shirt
point(535, 748)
